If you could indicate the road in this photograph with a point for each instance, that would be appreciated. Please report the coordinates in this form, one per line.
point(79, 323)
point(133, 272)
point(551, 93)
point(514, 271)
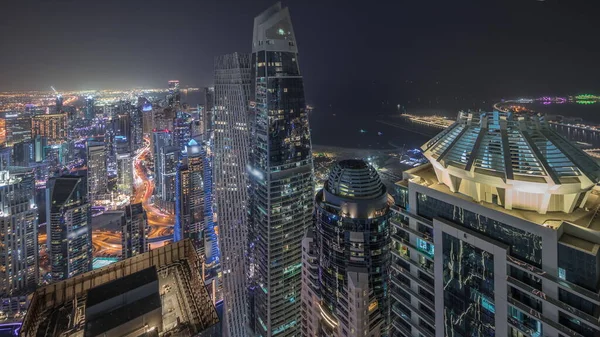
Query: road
point(108, 243)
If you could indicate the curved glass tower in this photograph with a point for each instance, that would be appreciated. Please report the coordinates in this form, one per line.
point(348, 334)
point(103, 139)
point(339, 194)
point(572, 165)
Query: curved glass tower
point(345, 286)
point(281, 176)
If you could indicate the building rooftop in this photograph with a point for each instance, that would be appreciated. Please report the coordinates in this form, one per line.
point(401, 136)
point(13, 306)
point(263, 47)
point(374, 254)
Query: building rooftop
point(583, 219)
point(354, 179)
point(121, 285)
point(515, 159)
point(59, 309)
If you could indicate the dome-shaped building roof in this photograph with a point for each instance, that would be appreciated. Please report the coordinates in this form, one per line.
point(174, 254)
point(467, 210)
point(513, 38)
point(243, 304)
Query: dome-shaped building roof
point(513, 159)
point(354, 179)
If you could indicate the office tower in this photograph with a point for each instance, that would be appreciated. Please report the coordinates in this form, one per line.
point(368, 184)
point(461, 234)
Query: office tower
point(182, 130)
point(18, 232)
point(206, 117)
point(15, 128)
point(160, 139)
point(137, 130)
point(281, 176)
point(174, 96)
point(230, 150)
point(346, 256)
point(169, 161)
point(89, 112)
point(53, 127)
point(135, 230)
point(470, 227)
point(69, 226)
point(97, 169)
point(23, 153)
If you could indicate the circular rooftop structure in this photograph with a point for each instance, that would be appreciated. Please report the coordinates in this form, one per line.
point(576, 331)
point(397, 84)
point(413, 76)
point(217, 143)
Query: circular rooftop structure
point(513, 160)
point(354, 179)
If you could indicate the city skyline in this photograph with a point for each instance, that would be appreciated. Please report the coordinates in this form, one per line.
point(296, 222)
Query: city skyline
point(533, 29)
point(427, 170)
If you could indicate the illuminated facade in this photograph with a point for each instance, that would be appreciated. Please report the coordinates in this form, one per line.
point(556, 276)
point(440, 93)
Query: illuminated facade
point(281, 176)
point(97, 172)
point(231, 136)
point(52, 126)
point(18, 232)
point(470, 226)
point(90, 112)
point(169, 160)
point(134, 233)
point(69, 224)
point(346, 258)
point(160, 139)
point(18, 129)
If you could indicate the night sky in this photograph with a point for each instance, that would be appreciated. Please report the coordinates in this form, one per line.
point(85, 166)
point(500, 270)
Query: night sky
point(350, 51)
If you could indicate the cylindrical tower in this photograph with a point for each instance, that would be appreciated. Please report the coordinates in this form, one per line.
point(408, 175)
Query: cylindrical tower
point(352, 237)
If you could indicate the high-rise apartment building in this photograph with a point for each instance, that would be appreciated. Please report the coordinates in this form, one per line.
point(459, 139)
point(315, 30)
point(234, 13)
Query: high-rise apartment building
point(51, 126)
point(160, 139)
point(346, 256)
point(206, 116)
point(69, 226)
point(230, 150)
point(134, 233)
point(167, 170)
point(137, 130)
point(281, 176)
point(18, 232)
point(15, 128)
point(124, 173)
point(97, 169)
point(182, 130)
point(498, 234)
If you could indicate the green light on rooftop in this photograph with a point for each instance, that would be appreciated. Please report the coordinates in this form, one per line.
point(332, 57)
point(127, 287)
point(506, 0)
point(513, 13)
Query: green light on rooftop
point(281, 31)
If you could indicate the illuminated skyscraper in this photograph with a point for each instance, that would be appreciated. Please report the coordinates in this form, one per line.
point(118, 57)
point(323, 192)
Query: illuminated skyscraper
point(53, 127)
point(135, 230)
point(230, 149)
point(346, 256)
point(498, 234)
point(281, 176)
point(124, 170)
point(59, 103)
point(169, 160)
point(69, 226)
point(160, 139)
point(90, 112)
point(97, 172)
point(18, 232)
point(15, 128)
point(182, 130)
point(206, 117)
point(137, 130)
point(174, 97)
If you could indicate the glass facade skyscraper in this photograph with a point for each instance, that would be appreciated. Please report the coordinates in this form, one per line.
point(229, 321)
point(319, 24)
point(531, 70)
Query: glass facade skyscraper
point(281, 176)
point(230, 150)
point(346, 256)
point(69, 224)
